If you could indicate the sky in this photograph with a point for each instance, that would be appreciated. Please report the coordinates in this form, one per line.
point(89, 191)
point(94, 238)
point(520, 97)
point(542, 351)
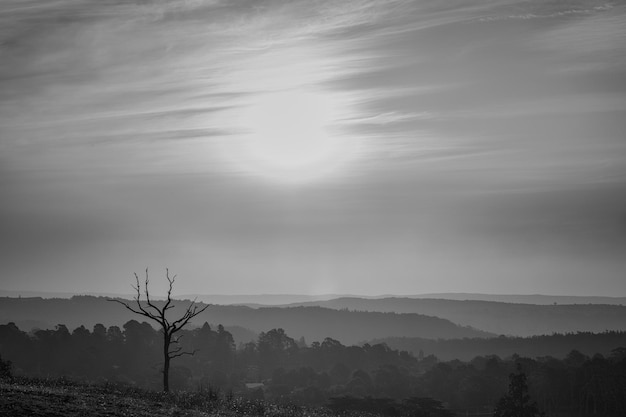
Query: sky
point(313, 147)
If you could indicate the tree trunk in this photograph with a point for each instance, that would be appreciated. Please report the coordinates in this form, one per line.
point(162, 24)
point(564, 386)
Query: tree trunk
point(166, 362)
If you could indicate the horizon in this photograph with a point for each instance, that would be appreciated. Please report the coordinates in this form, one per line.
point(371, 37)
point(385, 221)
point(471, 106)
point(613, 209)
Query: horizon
point(439, 295)
point(365, 146)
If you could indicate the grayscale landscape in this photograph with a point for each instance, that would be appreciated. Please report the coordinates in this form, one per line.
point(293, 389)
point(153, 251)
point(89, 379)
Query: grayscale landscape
point(383, 208)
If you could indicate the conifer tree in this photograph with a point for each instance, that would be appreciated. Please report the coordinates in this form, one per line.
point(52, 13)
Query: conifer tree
point(516, 403)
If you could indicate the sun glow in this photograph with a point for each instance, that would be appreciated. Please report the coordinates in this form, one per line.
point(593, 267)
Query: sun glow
point(290, 136)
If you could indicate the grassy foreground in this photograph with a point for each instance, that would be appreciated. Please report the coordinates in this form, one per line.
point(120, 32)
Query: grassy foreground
point(49, 398)
point(46, 399)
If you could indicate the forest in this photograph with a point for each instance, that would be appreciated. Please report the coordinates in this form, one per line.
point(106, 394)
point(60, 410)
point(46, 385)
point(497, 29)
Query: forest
point(280, 368)
point(556, 345)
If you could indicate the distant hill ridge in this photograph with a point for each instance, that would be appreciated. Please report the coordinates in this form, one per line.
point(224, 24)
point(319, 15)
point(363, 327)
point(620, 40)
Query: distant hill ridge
point(258, 300)
point(313, 323)
point(497, 317)
point(514, 319)
point(524, 298)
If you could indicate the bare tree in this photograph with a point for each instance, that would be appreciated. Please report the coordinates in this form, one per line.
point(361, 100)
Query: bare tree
point(147, 308)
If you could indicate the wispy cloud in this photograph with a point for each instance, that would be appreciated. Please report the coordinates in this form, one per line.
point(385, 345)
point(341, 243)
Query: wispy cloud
point(597, 34)
point(546, 13)
point(79, 72)
point(478, 124)
point(393, 117)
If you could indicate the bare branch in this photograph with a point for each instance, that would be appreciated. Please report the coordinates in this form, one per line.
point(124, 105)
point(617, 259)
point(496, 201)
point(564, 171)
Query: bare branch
point(183, 353)
point(178, 351)
point(159, 313)
point(177, 339)
point(138, 301)
point(141, 311)
point(188, 315)
point(125, 305)
point(153, 312)
point(169, 290)
point(137, 287)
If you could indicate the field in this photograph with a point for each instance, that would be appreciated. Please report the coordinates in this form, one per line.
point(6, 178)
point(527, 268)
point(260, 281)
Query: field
point(39, 398)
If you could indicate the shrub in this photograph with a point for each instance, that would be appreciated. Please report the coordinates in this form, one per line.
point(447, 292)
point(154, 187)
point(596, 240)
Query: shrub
point(5, 369)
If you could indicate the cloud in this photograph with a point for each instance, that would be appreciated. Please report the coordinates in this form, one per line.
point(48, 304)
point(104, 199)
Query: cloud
point(545, 13)
point(601, 36)
point(468, 129)
point(114, 75)
point(566, 104)
point(393, 117)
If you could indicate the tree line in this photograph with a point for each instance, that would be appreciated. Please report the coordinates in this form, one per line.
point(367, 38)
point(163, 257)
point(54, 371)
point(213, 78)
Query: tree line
point(281, 368)
point(557, 345)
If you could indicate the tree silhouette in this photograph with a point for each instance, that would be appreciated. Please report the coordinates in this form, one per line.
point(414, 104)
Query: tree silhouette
point(516, 403)
point(275, 347)
point(169, 327)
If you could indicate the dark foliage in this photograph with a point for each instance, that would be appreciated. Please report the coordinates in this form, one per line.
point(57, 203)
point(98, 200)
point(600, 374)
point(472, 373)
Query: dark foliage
point(557, 345)
point(5, 369)
point(516, 402)
point(282, 371)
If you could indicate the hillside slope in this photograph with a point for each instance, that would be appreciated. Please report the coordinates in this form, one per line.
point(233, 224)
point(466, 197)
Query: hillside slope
point(28, 400)
point(49, 398)
point(312, 323)
point(496, 317)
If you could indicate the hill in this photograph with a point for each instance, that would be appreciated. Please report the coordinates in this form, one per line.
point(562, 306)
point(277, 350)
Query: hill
point(264, 300)
point(45, 399)
point(257, 300)
point(555, 345)
point(521, 298)
point(312, 323)
point(497, 317)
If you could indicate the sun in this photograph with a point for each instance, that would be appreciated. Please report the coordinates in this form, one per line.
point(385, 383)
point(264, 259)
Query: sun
point(289, 136)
